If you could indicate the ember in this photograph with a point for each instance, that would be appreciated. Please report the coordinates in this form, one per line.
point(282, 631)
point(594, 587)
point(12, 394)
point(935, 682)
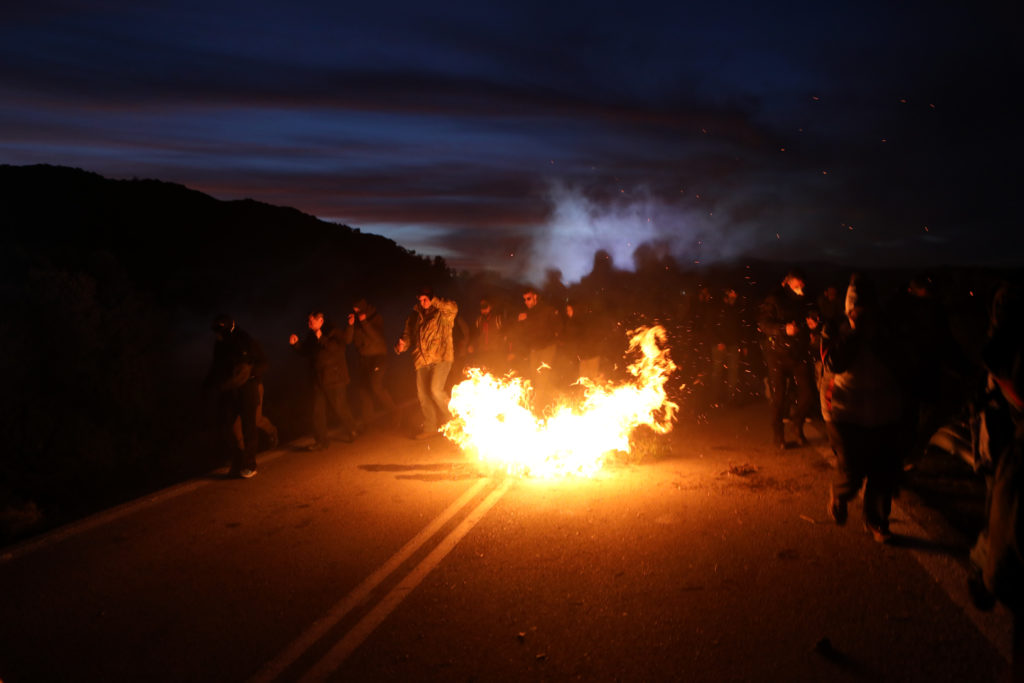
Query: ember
point(494, 419)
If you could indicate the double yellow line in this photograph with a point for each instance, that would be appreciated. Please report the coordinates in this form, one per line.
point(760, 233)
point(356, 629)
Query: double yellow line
point(352, 638)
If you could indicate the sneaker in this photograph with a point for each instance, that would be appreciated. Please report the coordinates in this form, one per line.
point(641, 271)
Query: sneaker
point(247, 473)
point(836, 508)
point(880, 534)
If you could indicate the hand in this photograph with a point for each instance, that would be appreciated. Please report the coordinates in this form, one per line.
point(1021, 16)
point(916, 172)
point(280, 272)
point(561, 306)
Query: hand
point(812, 323)
point(401, 346)
point(791, 329)
point(351, 318)
point(293, 340)
point(721, 347)
point(522, 316)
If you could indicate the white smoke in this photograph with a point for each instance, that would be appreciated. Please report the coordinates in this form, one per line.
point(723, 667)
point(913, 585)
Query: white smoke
point(580, 226)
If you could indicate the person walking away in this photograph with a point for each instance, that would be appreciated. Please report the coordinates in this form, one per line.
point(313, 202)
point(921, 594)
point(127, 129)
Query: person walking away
point(428, 333)
point(324, 348)
point(785, 321)
point(238, 363)
point(863, 402)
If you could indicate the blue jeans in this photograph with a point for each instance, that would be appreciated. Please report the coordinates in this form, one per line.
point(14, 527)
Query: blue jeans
point(430, 381)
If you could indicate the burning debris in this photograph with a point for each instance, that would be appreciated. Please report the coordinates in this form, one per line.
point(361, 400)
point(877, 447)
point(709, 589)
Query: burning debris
point(494, 418)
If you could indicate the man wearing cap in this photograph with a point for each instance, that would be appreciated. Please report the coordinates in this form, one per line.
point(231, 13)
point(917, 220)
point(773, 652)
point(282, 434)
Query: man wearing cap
point(428, 332)
point(238, 363)
point(785, 322)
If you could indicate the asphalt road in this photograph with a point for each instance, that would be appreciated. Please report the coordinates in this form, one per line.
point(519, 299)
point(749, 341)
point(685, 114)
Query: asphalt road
point(711, 560)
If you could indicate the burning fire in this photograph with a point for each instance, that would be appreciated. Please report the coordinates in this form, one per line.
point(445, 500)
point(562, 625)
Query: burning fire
point(493, 417)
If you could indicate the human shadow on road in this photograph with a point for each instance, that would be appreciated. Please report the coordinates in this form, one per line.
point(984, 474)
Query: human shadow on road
point(440, 471)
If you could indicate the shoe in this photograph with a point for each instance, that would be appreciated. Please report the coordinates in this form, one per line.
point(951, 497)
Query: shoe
point(880, 534)
point(781, 445)
point(836, 508)
point(349, 437)
point(247, 473)
point(801, 438)
point(424, 435)
point(318, 446)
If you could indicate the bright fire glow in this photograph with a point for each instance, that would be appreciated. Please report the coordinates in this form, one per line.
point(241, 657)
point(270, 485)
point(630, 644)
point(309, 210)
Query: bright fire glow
point(493, 418)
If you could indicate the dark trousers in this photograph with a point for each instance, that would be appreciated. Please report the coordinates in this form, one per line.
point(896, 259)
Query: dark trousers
point(871, 453)
point(240, 405)
point(372, 385)
point(781, 367)
point(335, 397)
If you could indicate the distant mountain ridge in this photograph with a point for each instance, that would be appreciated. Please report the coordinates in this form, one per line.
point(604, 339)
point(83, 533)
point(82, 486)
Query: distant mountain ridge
point(184, 245)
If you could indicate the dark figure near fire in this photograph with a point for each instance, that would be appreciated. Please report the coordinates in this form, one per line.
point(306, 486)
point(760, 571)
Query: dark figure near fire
point(534, 338)
point(324, 348)
point(997, 564)
point(864, 404)
point(488, 343)
point(235, 372)
point(786, 320)
point(368, 338)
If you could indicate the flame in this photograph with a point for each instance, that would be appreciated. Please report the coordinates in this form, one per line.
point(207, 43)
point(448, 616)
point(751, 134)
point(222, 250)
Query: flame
point(493, 417)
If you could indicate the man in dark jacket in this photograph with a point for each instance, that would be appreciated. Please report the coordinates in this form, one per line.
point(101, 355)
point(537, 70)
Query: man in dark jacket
point(324, 347)
point(368, 338)
point(535, 340)
point(238, 364)
point(786, 321)
point(488, 344)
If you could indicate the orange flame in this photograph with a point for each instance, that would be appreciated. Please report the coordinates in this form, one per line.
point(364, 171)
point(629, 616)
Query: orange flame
point(493, 417)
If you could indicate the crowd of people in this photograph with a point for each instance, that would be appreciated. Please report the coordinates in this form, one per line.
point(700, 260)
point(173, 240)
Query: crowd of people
point(882, 374)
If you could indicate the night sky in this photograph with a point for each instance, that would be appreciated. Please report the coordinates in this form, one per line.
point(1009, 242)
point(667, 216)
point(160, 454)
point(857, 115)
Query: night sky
point(522, 136)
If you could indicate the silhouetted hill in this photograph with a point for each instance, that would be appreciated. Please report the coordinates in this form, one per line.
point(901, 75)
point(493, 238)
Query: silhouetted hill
point(187, 247)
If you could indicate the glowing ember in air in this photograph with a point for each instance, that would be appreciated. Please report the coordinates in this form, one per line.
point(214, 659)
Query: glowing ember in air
point(493, 417)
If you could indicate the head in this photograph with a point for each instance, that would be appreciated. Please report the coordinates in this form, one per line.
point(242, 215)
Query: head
point(425, 297)
point(831, 292)
point(485, 306)
point(315, 320)
point(860, 299)
point(222, 325)
point(530, 297)
point(730, 296)
point(359, 306)
point(795, 280)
